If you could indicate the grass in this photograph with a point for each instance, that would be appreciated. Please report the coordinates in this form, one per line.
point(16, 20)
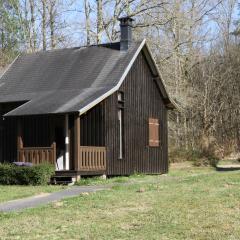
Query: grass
point(8, 193)
point(229, 162)
point(94, 181)
point(188, 203)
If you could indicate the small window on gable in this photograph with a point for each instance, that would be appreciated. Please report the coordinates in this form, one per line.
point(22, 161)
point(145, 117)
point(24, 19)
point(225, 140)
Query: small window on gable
point(120, 97)
point(154, 132)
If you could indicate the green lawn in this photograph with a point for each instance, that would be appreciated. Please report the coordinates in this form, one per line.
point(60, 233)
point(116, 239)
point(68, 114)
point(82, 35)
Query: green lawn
point(191, 203)
point(229, 162)
point(8, 193)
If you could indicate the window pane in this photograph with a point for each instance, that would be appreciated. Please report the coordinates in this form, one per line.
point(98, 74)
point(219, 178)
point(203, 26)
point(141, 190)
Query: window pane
point(120, 96)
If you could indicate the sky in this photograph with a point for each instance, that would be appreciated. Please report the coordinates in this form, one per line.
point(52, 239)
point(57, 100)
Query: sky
point(74, 20)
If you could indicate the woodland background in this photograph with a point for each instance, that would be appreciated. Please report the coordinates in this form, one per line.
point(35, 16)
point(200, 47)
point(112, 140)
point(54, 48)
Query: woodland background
point(195, 44)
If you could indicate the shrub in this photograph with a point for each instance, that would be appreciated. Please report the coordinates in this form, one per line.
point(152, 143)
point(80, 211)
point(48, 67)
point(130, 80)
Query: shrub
point(206, 161)
point(182, 155)
point(198, 157)
point(35, 175)
point(7, 174)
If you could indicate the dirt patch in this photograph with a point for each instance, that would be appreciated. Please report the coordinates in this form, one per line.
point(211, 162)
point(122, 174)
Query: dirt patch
point(182, 165)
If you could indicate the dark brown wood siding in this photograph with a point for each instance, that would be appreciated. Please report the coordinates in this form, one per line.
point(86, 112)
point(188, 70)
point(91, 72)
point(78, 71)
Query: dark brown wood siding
point(8, 133)
point(92, 127)
point(8, 140)
point(142, 100)
point(36, 133)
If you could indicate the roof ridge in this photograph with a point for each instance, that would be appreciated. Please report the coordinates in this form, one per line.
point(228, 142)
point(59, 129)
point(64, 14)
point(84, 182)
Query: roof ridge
point(76, 48)
point(70, 48)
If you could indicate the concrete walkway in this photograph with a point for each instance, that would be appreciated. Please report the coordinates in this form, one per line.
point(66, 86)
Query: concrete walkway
point(39, 200)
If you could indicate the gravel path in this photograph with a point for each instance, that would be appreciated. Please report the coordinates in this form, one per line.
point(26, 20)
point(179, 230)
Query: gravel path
point(35, 201)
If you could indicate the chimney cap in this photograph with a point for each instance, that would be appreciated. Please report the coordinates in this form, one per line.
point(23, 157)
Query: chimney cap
point(126, 20)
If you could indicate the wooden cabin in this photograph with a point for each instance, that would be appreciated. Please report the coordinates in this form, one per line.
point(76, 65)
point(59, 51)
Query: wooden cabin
point(93, 110)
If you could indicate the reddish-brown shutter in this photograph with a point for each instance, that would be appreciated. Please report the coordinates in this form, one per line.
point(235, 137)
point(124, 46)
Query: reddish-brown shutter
point(153, 132)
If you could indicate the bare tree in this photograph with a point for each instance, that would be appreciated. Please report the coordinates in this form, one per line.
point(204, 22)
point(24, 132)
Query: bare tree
point(44, 24)
point(33, 36)
point(99, 20)
point(87, 10)
point(52, 21)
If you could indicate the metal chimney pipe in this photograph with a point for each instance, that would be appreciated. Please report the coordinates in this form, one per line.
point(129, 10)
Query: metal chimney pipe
point(126, 32)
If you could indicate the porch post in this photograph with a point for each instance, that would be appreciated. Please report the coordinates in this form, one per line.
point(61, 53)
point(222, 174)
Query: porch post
point(76, 141)
point(19, 139)
point(67, 147)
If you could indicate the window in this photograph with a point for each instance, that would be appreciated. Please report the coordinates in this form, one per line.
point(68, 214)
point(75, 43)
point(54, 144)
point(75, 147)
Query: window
point(153, 132)
point(120, 98)
point(120, 122)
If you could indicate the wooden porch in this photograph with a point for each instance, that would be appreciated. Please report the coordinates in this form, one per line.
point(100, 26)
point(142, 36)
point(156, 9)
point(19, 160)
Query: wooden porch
point(91, 158)
point(84, 160)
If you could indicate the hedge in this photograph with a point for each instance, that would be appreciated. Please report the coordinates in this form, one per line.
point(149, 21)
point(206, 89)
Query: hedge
point(19, 175)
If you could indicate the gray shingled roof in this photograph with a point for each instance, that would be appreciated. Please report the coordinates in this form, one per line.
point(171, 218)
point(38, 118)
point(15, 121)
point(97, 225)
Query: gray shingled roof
point(64, 80)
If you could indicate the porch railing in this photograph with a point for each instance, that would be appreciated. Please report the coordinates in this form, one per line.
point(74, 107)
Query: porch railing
point(37, 155)
point(92, 158)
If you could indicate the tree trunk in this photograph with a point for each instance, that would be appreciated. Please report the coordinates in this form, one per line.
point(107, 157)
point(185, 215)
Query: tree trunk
point(44, 40)
point(52, 23)
point(99, 21)
point(33, 39)
point(87, 19)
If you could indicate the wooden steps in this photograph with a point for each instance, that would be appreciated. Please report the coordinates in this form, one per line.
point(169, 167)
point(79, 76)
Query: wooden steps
point(62, 180)
point(65, 177)
point(68, 177)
